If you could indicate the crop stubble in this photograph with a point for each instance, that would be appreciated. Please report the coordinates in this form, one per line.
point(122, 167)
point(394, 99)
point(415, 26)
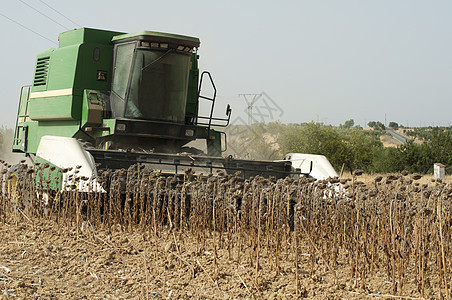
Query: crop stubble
point(217, 236)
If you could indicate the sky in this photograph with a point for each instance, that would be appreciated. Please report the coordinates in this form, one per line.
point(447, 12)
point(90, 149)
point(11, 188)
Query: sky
point(321, 61)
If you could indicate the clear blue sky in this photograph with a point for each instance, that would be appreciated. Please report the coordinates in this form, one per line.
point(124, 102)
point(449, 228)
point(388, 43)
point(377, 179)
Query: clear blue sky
point(325, 61)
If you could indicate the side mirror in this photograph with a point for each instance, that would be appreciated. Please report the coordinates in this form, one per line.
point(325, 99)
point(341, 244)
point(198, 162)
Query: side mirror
point(228, 110)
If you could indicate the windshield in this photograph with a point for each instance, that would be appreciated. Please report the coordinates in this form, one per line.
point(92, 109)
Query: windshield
point(158, 84)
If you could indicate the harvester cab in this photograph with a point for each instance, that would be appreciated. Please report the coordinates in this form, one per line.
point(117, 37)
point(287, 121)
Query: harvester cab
point(126, 99)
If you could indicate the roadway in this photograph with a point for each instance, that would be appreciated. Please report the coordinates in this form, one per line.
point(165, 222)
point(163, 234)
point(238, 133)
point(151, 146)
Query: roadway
point(400, 137)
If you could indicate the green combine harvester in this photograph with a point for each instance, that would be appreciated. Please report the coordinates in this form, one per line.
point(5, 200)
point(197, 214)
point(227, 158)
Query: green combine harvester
point(109, 100)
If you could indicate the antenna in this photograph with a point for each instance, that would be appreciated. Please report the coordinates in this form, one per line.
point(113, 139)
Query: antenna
point(250, 99)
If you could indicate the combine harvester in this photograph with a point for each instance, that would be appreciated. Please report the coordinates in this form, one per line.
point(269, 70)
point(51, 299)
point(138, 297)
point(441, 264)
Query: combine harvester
point(112, 100)
point(109, 100)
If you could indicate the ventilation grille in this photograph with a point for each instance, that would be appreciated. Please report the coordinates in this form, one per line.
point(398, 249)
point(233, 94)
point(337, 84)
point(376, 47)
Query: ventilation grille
point(42, 70)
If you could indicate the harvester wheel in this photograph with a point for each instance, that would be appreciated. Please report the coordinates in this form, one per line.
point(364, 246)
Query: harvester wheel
point(13, 184)
point(16, 187)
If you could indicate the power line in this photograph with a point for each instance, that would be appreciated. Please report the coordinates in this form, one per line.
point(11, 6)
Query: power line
point(58, 13)
point(42, 14)
point(250, 104)
point(23, 26)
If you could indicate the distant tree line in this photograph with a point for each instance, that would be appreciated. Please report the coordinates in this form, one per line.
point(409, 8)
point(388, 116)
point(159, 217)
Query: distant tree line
point(347, 145)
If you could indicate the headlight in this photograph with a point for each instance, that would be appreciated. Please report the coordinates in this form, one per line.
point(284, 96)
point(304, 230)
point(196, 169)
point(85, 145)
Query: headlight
point(120, 127)
point(189, 132)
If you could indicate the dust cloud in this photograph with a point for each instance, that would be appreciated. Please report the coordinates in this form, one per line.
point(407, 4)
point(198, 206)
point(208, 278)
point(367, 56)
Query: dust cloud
point(6, 153)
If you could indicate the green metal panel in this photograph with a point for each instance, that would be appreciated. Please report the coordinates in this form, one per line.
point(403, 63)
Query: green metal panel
point(63, 64)
point(23, 104)
point(42, 176)
point(21, 134)
point(88, 66)
point(20, 141)
point(75, 66)
point(61, 108)
point(42, 56)
point(86, 35)
point(53, 103)
point(36, 130)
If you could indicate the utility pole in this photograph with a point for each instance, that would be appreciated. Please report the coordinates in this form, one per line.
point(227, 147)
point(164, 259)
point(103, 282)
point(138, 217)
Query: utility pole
point(250, 99)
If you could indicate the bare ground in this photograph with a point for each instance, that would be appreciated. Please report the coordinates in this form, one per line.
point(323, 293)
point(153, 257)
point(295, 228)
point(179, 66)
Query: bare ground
point(39, 260)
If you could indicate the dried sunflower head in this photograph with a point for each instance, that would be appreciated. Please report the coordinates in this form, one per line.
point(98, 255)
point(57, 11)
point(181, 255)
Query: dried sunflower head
point(416, 176)
point(358, 172)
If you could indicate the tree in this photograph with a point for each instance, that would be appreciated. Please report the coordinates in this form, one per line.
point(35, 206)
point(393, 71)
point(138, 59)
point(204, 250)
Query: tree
point(421, 157)
point(348, 123)
point(362, 148)
point(376, 125)
point(440, 147)
point(387, 160)
point(415, 158)
point(316, 139)
point(393, 125)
